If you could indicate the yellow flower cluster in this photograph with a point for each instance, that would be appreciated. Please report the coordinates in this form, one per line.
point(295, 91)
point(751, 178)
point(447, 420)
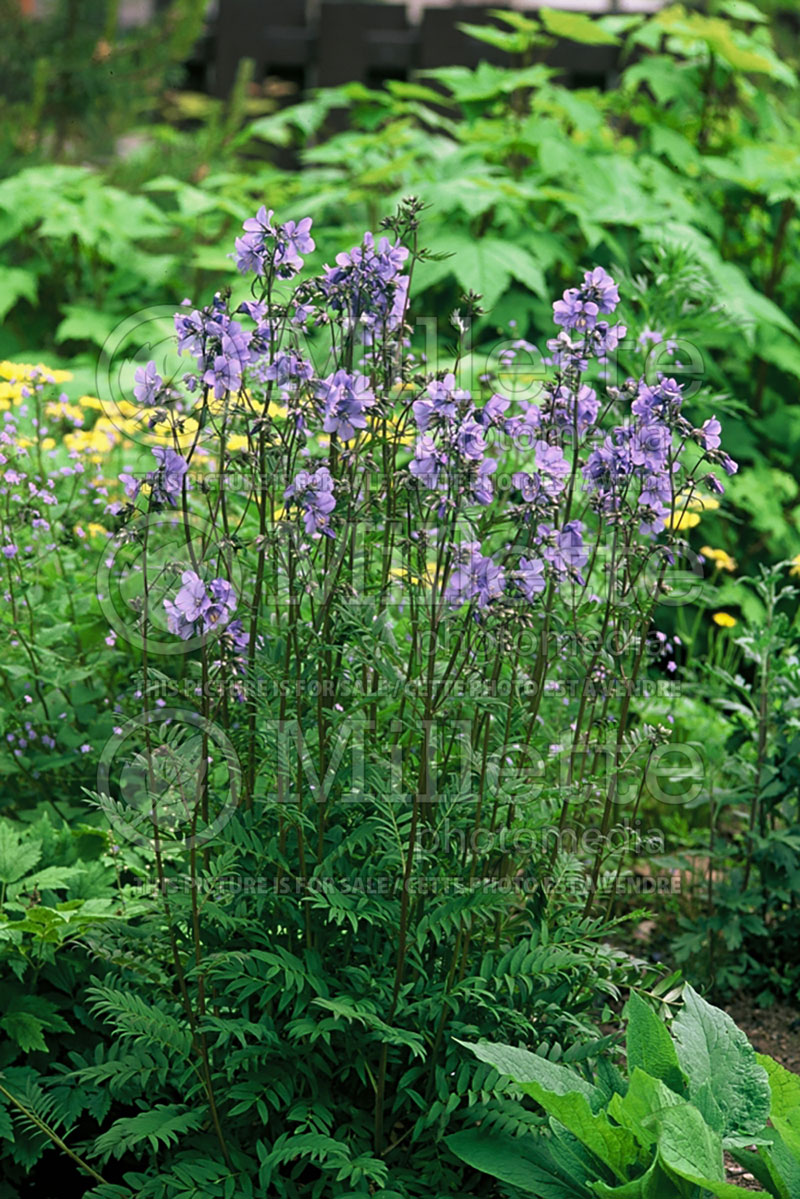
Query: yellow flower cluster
point(724, 620)
point(96, 442)
point(688, 506)
point(721, 558)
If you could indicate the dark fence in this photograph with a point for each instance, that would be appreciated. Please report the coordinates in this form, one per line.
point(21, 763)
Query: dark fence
point(370, 42)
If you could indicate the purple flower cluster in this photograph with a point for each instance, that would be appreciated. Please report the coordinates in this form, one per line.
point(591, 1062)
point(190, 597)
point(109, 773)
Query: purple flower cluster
point(166, 482)
point(452, 441)
point(200, 607)
point(580, 306)
point(477, 578)
point(221, 347)
point(563, 549)
point(578, 311)
point(267, 245)
point(641, 460)
point(313, 494)
point(550, 477)
point(345, 398)
point(366, 287)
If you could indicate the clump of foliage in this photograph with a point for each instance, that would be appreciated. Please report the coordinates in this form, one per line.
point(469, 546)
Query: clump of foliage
point(354, 596)
point(660, 1132)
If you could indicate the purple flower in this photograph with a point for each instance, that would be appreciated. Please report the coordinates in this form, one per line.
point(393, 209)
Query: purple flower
point(650, 445)
point(167, 481)
point(199, 607)
point(552, 466)
point(709, 435)
point(132, 487)
point(664, 399)
point(314, 494)
point(298, 240)
point(366, 286)
point(575, 313)
point(482, 484)
point(529, 485)
point(479, 578)
point(346, 398)
point(428, 461)
point(260, 224)
point(10, 551)
point(470, 440)
point(563, 549)
point(492, 412)
point(148, 385)
point(601, 288)
point(530, 577)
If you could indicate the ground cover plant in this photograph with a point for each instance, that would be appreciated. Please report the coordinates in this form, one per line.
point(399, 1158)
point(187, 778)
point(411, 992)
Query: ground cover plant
point(383, 649)
point(662, 1131)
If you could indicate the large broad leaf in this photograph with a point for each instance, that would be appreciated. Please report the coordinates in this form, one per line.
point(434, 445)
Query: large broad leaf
point(784, 1086)
point(614, 1146)
point(649, 1045)
point(712, 1050)
point(650, 1185)
point(486, 265)
point(522, 1162)
point(789, 1128)
point(645, 1098)
point(577, 27)
point(525, 1067)
point(688, 1148)
point(565, 1096)
point(782, 1165)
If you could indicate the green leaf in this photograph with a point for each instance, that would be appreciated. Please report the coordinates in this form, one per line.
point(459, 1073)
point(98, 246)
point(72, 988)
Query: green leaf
point(648, 1186)
point(689, 1148)
point(649, 1045)
point(525, 1067)
point(742, 10)
point(784, 1086)
point(711, 1049)
point(522, 1162)
point(485, 265)
point(789, 1128)
point(645, 1098)
point(16, 857)
point(25, 1030)
point(565, 1096)
point(577, 27)
point(15, 284)
point(86, 324)
point(502, 39)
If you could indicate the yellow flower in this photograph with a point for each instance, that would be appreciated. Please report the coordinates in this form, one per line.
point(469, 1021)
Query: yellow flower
point(693, 501)
point(721, 558)
point(91, 402)
point(96, 442)
point(681, 520)
point(724, 620)
point(794, 569)
point(400, 572)
point(59, 411)
point(27, 371)
point(237, 441)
